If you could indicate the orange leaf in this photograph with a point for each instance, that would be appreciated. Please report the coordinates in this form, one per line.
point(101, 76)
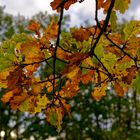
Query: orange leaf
point(6, 97)
point(51, 31)
point(32, 52)
point(81, 34)
point(119, 89)
point(58, 3)
point(34, 26)
point(14, 78)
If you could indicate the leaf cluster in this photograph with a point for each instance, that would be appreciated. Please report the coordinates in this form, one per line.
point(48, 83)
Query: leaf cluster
point(94, 55)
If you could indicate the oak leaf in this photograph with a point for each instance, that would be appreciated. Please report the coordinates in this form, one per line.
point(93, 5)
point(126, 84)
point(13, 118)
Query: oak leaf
point(99, 92)
point(130, 76)
point(54, 116)
point(34, 26)
point(81, 34)
point(31, 52)
point(119, 89)
point(58, 3)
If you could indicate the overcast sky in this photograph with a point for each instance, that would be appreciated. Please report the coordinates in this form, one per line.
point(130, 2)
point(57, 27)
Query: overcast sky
point(78, 12)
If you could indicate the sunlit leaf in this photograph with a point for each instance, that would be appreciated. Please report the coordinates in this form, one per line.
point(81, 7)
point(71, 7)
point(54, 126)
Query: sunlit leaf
point(99, 92)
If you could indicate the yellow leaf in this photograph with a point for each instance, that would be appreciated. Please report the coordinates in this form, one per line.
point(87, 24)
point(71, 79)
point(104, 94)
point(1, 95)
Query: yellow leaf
point(3, 76)
point(73, 73)
point(31, 52)
point(99, 92)
point(41, 103)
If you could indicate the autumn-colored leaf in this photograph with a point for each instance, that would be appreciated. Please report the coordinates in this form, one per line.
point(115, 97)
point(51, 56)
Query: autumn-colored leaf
point(3, 81)
point(31, 52)
point(61, 54)
point(7, 96)
point(51, 31)
point(37, 79)
point(41, 103)
point(71, 71)
point(99, 92)
point(76, 58)
point(58, 3)
point(81, 34)
point(54, 116)
point(130, 76)
point(70, 89)
point(34, 26)
point(88, 77)
point(15, 78)
point(119, 89)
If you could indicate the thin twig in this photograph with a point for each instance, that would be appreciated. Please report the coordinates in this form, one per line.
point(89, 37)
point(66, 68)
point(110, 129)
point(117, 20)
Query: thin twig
point(57, 44)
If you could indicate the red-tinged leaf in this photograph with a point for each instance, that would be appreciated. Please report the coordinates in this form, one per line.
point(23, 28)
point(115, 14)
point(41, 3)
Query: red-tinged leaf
point(10, 94)
point(114, 50)
point(70, 89)
point(76, 58)
point(18, 99)
point(104, 4)
point(88, 77)
point(81, 34)
point(58, 3)
point(7, 96)
point(119, 89)
point(61, 54)
point(34, 26)
point(14, 78)
point(100, 4)
point(131, 75)
point(124, 60)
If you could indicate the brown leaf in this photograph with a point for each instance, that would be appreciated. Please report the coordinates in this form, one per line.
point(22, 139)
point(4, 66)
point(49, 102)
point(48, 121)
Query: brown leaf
point(131, 75)
point(14, 78)
point(58, 3)
point(81, 34)
point(119, 89)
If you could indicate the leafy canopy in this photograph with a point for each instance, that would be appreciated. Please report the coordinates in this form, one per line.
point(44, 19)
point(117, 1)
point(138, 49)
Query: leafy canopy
point(94, 56)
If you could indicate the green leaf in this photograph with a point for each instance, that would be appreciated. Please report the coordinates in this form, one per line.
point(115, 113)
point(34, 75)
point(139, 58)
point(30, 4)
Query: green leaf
point(7, 55)
point(24, 106)
point(121, 5)
point(54, 117)
point(21, 38)
point(109, 60)
point(113, 19)
point(42, 103)
point(131, 29)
